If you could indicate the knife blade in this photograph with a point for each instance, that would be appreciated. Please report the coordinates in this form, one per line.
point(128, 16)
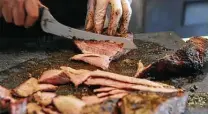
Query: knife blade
point(50, 25)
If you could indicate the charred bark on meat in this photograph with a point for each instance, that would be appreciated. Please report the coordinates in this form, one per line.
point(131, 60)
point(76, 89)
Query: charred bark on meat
point(188, 60)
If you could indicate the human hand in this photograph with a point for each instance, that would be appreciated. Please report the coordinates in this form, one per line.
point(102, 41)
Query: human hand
point(120, 16)
point(20, 12)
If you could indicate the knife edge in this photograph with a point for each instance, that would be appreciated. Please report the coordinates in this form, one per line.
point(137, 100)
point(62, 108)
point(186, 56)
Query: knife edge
point(50, 25)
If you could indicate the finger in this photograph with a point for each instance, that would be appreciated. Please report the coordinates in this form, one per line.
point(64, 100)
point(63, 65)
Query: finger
point(116, 13)
point(32, 10)
point(127, 12)
point(7, 11)
point(100, 13)
point(19, 13)
point(41, 5)
point(89, 24)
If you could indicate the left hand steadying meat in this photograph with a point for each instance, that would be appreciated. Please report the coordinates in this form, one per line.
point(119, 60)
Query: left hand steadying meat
point(120, 16)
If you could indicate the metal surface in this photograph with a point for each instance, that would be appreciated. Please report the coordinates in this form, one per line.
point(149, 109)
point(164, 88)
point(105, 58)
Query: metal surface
point(50, 25)
point(148, 51)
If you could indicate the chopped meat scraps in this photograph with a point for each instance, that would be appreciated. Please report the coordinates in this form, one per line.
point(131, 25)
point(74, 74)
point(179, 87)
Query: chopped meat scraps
point(5, 94)
point(187, 60)
point(68, 104)
point(107, 107)
point(98, 53)
point(27, 88)
point(5, 97)
point(33, 108)
point(47, 87)
point(44, 98)
point(19, 107)
point(152, 103)
point(101, 61)
point(50, 111)
point(55, 77)
point(89, 100)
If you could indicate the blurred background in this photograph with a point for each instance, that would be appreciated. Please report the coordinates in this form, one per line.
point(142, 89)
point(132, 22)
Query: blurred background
point(185, 17)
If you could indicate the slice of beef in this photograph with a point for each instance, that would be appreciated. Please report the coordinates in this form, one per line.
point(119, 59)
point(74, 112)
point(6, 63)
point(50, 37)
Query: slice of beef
point(103, 52)
point(107, 48)
point(104, 89)
point(4, 93)
point(114, 96)
point(152, 103)
point(113, 92)
point(5, 97)
point(27, 88)
point(44, 98)
point(101, 61)
point(33, 108)
point(107, 107)
point(78, 79)
point(123, 85)
point(19, 106)
point(47, 87)
point(89, 100)
point(48, 110)
point(188, 60)
point(55, 77)
point(68, 104)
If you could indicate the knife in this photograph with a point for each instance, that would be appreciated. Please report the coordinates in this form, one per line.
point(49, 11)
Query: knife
point(50, 25)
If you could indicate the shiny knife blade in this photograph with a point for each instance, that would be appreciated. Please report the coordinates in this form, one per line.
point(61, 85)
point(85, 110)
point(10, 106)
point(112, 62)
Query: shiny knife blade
point(50, 25)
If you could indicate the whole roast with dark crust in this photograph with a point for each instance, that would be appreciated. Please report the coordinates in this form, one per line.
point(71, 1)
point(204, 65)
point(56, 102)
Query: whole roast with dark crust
point(187, 60)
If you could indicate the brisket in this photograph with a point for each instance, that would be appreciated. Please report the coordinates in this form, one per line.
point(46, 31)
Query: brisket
point(33, 108)
point(152, 103)
point(122, 85)
point(78, 79)
point(55, 77)
point(89, 100)
point(113, 92)
point(107, 107)
point(99, 47)
point(102, 52)
point(44, 98)
point(188, 60)
point(68, 104)
point(47, 87)
point(5, 98)
point(104, 89)
point(27, 88)
point(50, 111)
point(101, 61)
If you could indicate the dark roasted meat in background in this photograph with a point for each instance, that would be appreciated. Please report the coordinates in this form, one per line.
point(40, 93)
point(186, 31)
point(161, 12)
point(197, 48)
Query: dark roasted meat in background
point(187, 60)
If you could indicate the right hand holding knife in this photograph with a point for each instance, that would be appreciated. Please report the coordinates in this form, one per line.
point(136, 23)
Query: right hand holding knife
point(26, 12)
point(20, 12)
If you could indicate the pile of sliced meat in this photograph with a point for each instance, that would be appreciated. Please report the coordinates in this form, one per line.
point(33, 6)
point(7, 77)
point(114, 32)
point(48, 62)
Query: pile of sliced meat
point(188, 60)
point(99, 53)
point(38, 95)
